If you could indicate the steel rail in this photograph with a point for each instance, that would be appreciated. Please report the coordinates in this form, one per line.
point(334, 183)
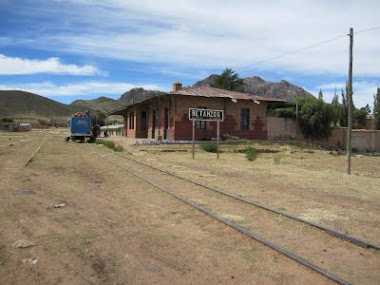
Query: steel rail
point(242, 230)
point(34, 154)
point(335, 233)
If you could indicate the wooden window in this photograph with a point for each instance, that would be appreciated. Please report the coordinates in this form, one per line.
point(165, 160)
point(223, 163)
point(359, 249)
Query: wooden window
point(244, 119)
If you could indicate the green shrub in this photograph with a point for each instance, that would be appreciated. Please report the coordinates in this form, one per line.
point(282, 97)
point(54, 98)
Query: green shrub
point(109, 144)
point(251, 153)
point(6, 120)
point(289, 112)
point(315, 117)
point(277, 159)
point(118, 149)
point(235, 142)
point(209, 146)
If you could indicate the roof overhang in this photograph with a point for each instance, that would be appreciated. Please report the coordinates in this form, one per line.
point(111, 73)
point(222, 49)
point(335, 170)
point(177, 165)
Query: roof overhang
point(122, 111)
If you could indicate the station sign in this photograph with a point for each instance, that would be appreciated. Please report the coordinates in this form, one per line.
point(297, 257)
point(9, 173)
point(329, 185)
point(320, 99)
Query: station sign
point(197, 114)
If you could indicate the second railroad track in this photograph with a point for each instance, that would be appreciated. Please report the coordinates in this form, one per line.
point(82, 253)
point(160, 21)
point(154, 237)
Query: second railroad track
point(319, 248)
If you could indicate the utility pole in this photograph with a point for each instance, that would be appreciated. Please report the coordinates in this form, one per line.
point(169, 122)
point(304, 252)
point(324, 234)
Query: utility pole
point(349, 103)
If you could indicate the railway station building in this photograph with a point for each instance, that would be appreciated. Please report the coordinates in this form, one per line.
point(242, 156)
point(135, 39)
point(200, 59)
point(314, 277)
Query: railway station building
point(166, 116)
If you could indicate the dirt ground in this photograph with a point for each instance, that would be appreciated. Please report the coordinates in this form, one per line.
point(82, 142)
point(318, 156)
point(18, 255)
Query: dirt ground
point(116, 229)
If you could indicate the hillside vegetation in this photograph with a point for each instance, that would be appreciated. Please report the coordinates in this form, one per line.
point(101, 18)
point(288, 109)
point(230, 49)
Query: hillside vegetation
point(15, 103)
point(102, 103)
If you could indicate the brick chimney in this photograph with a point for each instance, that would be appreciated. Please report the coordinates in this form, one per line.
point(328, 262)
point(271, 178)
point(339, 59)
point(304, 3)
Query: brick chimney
point(177, 86)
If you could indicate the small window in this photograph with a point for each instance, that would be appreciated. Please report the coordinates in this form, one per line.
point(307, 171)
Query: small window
point(201, 124)
point(244, 119)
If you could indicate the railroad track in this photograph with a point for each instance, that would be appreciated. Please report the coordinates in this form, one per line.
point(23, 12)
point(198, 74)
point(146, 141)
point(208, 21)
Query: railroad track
point(332, 232)
point(142, 174)
point(36, 151)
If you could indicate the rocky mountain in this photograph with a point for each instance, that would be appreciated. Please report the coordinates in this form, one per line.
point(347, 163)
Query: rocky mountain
point(207, 81)
point(137, 95)
point(257, 86)
point(16, 103)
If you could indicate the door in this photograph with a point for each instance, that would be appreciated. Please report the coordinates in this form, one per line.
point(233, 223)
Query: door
point(154, 124)
point(166, 124)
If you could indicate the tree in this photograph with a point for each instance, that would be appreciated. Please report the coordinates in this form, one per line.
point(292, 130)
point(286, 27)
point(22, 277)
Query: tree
point(229, 80)
point(336, 108)
point(315, 117)
point(376, 101)
point(98, 117)
point(376, 108)
point(359, 116)
point(320, 94)
point(367, 109)
point(343, 111)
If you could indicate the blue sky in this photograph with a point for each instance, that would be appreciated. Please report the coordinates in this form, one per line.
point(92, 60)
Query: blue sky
point(83, 49)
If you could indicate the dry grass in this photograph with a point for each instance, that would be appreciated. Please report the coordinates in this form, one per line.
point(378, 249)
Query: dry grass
point(308, 182)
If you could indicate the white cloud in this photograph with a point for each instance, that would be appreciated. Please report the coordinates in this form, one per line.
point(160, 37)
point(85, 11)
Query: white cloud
point(189, 38)
point(363, 91)
point(89, 88)
point(53, 65)
point(213, 34)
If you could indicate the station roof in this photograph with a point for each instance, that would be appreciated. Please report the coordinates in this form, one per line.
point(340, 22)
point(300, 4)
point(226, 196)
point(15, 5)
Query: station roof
point(212, 92)
point(209, 92)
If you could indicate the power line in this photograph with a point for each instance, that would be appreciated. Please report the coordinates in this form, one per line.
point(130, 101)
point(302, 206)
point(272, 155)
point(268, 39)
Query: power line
point(291, 52)
point(369, 29)
point(305, 48)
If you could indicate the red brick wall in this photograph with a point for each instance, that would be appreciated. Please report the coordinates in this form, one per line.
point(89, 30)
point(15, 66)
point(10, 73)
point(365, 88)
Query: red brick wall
point(150, 106)
point(231, 124)
point(166, 102)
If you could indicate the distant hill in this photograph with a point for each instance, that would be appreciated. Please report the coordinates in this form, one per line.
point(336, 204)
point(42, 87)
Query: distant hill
point(15, 103)
point(102, 103)
point(130, 97)
point(257, 86)
point(137, 95)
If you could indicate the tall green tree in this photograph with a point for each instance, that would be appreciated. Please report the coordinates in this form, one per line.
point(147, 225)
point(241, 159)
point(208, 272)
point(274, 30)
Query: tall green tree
point(359, 116)
point(315, 117)
point(367, 109)
point(320, 94)
point(336, 108)
point(229, 80)
point(376, 108)
point(343, 110)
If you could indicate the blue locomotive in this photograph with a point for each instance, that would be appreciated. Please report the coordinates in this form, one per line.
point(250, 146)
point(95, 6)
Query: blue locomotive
point(81, 128)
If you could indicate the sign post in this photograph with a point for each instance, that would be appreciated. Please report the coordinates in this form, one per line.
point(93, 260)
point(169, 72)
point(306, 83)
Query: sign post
point(217, 116)
point(193, 139)
point(217, 139)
